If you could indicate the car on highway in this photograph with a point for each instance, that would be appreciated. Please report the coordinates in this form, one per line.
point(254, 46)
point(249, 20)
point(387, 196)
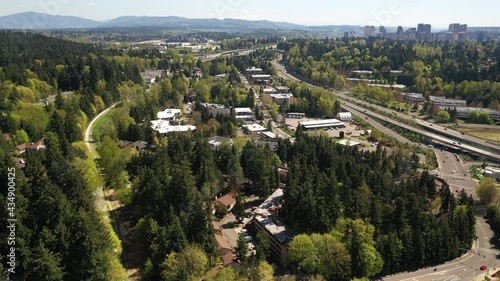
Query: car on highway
point(483, 267)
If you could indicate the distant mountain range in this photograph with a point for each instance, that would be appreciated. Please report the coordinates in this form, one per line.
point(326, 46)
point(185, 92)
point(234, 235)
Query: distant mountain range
point(40, 21)
point(32, 20)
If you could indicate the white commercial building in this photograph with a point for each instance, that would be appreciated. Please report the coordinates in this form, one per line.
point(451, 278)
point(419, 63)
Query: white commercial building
point(169, 114)
point(244, 113)
point(254, 128)
point(164, 127)
point(344, 116)
point(319, 124)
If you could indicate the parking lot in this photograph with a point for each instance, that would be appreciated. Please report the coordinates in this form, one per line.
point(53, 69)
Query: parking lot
point(352, 129)
point(231, 228)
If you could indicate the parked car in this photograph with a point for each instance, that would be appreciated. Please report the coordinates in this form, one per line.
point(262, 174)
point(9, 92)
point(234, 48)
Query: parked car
point(483, 267)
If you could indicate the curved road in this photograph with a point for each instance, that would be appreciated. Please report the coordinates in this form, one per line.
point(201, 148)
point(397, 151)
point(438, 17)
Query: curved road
point(442, 130)
point(485, 249)
point(88, 131)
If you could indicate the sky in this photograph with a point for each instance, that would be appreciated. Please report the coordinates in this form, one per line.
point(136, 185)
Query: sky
point(439, 13)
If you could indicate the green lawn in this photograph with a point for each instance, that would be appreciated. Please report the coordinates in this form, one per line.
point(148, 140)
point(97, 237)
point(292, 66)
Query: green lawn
point(100, 123)
point(492, 134)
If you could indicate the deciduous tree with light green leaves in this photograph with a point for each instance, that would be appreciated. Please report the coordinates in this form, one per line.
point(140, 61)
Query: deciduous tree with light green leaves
point(488, 191)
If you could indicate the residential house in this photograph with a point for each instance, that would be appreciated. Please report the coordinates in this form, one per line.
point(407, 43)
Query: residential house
point(33, 146)
point(227, 200)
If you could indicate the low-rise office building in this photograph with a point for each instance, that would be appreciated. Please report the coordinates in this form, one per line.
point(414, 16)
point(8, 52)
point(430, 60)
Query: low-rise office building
point(268, 135)
point(254, 70)
point(261, 78)
point(413, 97)
point(254, 128)
point(295, 115)
point(463, 112)
point(169, 114)
point(322, 124)
point(443, 102)
point(165, 127)
point(244, 113)
point(282, 98)
point(282, 89)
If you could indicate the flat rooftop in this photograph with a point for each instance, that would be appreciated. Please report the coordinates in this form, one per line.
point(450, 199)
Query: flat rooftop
point(360, 80)
point(254, 128)
point(281, 96)
point(242, 110)
point(322, 123)
point(254, 69)
point(261, 76)
point(270, 135)
point(168, 113)
point(272, 223)
point(363, 71)
point(398, 86)
point(415, 95)
point(349, 143)
point(164, 127)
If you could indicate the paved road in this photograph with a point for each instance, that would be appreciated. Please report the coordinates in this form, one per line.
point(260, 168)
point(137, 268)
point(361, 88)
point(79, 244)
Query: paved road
point(431, 127)
point(486, 248)
point(452, 143)
point(446, 136)
point(88, 131)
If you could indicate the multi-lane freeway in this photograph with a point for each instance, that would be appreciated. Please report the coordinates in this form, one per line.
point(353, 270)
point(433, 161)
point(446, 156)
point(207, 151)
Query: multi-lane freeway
point(442, 135)
point(452, 143)
point(452, 169)
point(431, 127)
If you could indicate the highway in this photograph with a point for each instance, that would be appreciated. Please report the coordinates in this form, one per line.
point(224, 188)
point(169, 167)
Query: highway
point(486, 248)
point(453, 139)
point(441, 139)
point(239, 52)
point(457, 136)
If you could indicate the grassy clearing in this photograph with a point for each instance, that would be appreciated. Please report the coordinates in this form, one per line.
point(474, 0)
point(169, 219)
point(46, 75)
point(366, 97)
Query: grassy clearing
point(491, 134)
point(100, 123)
